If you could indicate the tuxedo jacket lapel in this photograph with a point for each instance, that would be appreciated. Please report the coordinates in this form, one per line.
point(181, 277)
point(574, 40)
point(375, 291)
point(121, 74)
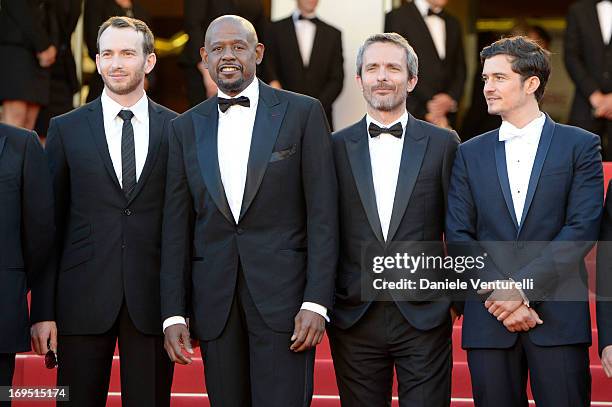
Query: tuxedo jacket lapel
point(156, 126)
point(268, 120)
point(502, 175)
point(205, 126)
point(2, 141)
point(358, 152)
point(413, 151)
point(545, 139)
point(96, 124)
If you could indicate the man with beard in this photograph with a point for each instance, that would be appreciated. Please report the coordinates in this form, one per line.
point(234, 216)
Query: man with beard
point(529, 196)
point(250, 230)
point(108, 162)
point(393, 172)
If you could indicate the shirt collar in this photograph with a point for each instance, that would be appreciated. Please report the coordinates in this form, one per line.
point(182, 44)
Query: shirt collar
point(423, 6)
point(111, 109)
point(403, 120)
point(531, 131)
point(251, 91)
point(296, 15)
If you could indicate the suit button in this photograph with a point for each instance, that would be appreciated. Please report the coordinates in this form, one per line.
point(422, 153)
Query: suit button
point(123, 246)
point(239, 231)
point(127, 212)
point(606, 74)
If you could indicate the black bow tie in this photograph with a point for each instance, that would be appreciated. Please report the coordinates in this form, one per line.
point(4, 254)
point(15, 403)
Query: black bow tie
point(430, 12)
point(311, 19)
point(396, 130)
point(225, 104)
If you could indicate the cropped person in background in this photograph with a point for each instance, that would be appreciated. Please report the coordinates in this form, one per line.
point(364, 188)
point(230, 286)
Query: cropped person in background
point(305, 55)
point(26, 240)
point(437, 39)
point(588, 60)
point(64, 81)
point(28, 38)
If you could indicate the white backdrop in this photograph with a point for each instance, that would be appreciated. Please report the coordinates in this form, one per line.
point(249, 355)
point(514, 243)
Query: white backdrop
point(357, 19)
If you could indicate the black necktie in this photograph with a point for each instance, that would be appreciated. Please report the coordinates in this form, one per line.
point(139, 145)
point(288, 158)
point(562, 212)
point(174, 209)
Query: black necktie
point(430, 12)
point(128, 154)
point(396, 130)
point(225, 104)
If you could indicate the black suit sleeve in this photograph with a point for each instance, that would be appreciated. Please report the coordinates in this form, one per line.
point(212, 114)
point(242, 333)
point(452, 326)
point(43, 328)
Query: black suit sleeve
point(335, 73)
point(604, 275)
point(575, 45)
point(30, 20)
point(60, 181)
point(321, 194)
point(175, 279)
point(38, 230)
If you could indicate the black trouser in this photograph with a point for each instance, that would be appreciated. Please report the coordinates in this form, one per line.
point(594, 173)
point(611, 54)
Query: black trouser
point(85, 363)
point(366, 354)
point(249, 364)
point(559, 375)
point(7, 369)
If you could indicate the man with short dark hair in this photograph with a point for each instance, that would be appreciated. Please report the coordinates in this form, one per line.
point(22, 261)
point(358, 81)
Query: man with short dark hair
point(529, 196)
point(108, 161)
point(26, 240)
point(250, 230)
point(393, 172)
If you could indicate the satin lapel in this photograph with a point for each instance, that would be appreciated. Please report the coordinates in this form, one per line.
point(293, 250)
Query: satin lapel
point(502, 174)
point(413, 151)
point(156, 126)
point(547, 135)
point(595, 26)
point(317, 46)
point(205, 126)
point(268, 120)
point(358, 152)
point(96, 124)
point(2, 141)
point(295, 46)
point(423, 30)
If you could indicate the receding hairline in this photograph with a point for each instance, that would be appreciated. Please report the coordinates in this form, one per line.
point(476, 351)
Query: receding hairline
point(236, 21)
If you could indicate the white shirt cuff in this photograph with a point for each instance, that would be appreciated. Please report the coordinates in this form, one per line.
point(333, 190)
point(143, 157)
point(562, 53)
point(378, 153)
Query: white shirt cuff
point(173, 321)
point(319, 309)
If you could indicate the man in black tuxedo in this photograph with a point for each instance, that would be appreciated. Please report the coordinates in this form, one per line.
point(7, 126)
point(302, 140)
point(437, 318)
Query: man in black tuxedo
point(198, 14)
point(604, 286)
point(588, 59)
point(250, 230)
point(305, 55)
point(26, 239)
point(393, 171)
point(437, 39)
point(108, 161)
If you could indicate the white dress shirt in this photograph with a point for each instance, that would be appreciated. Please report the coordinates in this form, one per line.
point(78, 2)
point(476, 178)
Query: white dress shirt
point(233, 146)
point(234, 143)
point(521, 147)
point(305, 32)
point(385, 159)
point(604, 13)
point(436, 26)
point(113, 126)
